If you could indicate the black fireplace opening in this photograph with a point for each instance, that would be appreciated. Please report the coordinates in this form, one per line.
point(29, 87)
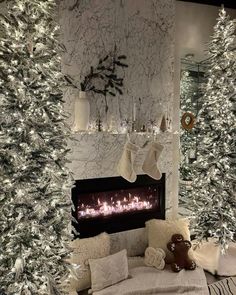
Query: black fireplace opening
point(113, 204)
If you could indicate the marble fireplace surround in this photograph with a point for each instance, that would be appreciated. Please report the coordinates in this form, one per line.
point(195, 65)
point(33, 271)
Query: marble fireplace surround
point(144, 32)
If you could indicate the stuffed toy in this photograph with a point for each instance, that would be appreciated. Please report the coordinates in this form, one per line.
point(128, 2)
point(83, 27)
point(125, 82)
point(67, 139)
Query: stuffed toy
point(180, 249)
point(155, 257)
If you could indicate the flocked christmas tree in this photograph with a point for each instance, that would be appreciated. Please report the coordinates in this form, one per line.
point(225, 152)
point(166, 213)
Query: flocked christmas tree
point(214, 202)
point(34, 200)
point(188, 98)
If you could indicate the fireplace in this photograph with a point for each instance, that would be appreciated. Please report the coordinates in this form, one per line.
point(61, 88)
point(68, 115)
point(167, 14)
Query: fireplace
point(113, 204)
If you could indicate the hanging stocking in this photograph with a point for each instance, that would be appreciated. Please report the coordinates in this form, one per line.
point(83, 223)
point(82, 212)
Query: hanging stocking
point(150, 166)
point(125, 166)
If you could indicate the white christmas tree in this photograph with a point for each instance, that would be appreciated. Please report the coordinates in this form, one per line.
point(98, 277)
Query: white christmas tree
point(214, 200)
point(188, 97)
point(34, 200)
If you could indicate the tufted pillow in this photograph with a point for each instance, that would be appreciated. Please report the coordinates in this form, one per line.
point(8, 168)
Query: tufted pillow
point(161, 231)
point(83, 250)
point(155, 257)
point(109, 270)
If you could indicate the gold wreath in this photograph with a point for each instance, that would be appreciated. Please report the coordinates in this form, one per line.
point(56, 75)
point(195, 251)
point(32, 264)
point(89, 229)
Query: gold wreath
point(190, 125)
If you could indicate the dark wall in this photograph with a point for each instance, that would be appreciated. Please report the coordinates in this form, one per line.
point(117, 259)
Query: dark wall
point(227, 3)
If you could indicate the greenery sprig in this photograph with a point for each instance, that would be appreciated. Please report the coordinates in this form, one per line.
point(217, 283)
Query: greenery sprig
point(103, 78)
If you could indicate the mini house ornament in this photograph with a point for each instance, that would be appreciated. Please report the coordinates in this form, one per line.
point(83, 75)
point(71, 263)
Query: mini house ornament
point(163, 126)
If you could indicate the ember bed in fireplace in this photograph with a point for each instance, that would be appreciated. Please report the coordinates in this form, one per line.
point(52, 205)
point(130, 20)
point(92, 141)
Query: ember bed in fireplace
point(113, 204)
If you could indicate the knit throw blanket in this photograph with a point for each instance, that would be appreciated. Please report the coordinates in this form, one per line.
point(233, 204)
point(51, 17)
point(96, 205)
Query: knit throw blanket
point(150, 281)
point(225, 287)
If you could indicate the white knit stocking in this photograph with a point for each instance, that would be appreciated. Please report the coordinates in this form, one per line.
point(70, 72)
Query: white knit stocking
point(150, 165)
point(125, 166)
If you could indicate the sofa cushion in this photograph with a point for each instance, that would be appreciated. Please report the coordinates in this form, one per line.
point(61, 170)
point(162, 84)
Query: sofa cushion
point(135, 241)
point(83, 250)
point(135, 262)
point(160, 233)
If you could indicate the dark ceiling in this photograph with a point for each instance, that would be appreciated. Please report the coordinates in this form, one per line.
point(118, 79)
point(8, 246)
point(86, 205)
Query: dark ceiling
point(227, 3)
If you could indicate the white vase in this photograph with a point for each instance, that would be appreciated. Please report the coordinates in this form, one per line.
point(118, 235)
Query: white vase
point(82, 112)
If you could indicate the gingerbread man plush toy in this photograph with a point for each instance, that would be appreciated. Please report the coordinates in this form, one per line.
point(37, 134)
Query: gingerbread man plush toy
point(180, 249)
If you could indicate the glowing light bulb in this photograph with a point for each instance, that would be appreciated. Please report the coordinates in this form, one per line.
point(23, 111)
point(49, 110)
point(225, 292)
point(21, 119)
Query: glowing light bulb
point(11, 78)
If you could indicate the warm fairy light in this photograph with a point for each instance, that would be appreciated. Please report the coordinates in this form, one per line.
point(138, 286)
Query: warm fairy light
point(35, 180)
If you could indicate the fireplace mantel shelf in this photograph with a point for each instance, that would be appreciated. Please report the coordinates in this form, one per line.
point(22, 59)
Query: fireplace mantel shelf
point(166, 137)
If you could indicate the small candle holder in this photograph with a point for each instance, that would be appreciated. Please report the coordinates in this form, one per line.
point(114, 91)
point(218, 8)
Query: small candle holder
point(99, 125)
point(143, 128)
point(133, 127)
point(125, 126)
point(151, 126)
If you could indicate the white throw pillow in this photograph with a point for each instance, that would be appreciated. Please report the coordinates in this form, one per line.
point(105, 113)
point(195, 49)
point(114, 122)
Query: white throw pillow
point(109, 270)
point(83, 250)
point(207, 255)
point(161, 231)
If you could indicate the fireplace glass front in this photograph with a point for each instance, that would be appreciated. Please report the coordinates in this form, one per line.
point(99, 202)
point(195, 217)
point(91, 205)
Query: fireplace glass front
point(113, 204)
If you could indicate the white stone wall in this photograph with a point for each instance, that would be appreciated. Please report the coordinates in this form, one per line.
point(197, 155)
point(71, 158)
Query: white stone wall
point(143, 31)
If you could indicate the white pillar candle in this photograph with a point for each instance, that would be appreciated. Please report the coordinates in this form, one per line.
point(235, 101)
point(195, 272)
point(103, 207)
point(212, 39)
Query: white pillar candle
point(134, 112)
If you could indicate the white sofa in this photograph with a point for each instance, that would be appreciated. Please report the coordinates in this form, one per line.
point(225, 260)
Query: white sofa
point(148, 280)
